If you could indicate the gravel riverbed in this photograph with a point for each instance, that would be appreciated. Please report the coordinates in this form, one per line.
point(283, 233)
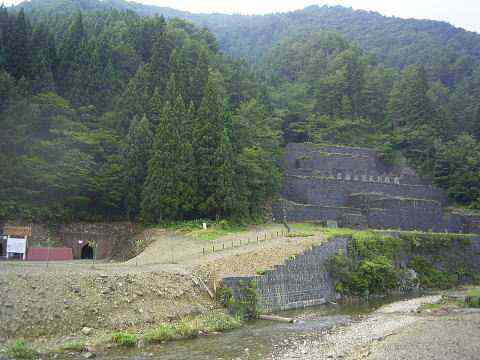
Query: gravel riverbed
point(358, 340)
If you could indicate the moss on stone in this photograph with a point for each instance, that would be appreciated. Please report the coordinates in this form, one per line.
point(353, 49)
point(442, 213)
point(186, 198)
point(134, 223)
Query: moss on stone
point(371, 263)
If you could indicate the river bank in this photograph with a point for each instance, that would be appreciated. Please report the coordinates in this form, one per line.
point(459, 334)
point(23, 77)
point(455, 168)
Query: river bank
point(406, 329)
point(402, 330)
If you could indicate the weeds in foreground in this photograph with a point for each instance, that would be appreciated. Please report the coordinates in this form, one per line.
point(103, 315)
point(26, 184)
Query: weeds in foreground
point(75, 346)
point(165, 332)
point(125, 339)
point(191, 328)
point(19, 350)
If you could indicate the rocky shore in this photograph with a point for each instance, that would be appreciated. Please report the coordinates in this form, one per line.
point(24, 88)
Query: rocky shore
point(396, 331)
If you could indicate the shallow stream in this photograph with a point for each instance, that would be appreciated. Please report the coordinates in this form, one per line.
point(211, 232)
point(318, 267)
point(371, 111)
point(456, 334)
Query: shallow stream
point(255, 340)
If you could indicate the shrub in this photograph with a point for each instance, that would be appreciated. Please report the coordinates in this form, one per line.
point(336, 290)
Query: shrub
point(260, 271)
point(19, 350)
point(245, 307)
point(473, 301)
point(378, 274)
point(125, 339)
point(431, 278)
point(164, 332)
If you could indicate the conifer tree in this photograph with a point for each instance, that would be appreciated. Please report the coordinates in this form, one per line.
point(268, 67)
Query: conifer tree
point(211, 149)
point(136, 155)
point(169, 192)
point(19, 53)
point(409, 105)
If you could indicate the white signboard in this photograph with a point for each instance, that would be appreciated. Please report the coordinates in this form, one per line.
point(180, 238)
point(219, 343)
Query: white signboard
point(16, 245)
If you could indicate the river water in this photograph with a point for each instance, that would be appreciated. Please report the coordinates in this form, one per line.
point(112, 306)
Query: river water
point(255, 340)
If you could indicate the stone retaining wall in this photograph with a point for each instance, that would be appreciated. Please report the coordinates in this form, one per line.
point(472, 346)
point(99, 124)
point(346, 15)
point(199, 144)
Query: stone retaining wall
point(355, 188)
point(300, 282)
point(329, 192)
point(305, 280)
point(107, 236)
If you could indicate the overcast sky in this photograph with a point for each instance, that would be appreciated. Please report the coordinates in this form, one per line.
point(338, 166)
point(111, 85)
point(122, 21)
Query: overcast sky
point(461, 13)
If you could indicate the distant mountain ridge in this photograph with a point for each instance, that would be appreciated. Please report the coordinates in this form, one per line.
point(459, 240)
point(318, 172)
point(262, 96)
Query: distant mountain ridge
point(53, 7)
point(396, 42)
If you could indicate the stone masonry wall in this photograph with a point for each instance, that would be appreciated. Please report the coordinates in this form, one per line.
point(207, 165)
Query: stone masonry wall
point(305, 281)
point(106, 235)
point(300, 282)
point(355, 188)
point(329, 192)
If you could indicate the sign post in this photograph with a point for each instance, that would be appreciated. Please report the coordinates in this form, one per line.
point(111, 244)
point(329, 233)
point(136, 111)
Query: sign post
point(16, 245)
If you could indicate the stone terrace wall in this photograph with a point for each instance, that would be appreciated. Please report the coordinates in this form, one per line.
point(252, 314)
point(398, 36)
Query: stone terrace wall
point(316, 213)
point(328, 192)
point(330, 160)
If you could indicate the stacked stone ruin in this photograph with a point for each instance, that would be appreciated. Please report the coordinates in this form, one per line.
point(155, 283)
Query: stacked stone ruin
point(355, 188)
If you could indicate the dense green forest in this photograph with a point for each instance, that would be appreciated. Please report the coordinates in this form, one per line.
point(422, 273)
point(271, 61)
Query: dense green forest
point(108, 113)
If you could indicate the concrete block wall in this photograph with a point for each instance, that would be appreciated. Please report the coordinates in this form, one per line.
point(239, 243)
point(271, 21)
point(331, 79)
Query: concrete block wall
point(305, 281)
point(300, 282)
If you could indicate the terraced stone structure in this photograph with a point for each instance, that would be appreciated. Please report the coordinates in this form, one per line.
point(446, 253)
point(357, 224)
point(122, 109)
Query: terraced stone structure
point(355, 188)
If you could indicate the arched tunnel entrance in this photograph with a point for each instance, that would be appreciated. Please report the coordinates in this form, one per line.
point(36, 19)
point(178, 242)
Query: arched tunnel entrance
point(87, 252)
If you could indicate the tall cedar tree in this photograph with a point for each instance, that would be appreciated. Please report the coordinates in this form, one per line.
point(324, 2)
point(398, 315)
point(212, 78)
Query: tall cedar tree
point(169, 190)
point(137, 154)
point(213, 151)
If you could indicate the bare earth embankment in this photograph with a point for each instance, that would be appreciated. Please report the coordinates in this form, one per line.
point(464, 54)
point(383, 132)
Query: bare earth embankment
point(41, 303)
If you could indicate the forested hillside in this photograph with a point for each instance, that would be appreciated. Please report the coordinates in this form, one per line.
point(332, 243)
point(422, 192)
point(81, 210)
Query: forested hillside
point(106, 114)
point(329, 90)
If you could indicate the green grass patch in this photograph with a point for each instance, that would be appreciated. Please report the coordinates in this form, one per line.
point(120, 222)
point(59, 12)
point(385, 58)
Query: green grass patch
point(431, 307)
point(191, 328)
point(260, 271)
point(305, 227)
point(165, 332)
point(75, 345)
point(475, 292)
point(214, 230)
point(218, 322)
point(19, 350)
point(299, 235)
point(125, 339)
